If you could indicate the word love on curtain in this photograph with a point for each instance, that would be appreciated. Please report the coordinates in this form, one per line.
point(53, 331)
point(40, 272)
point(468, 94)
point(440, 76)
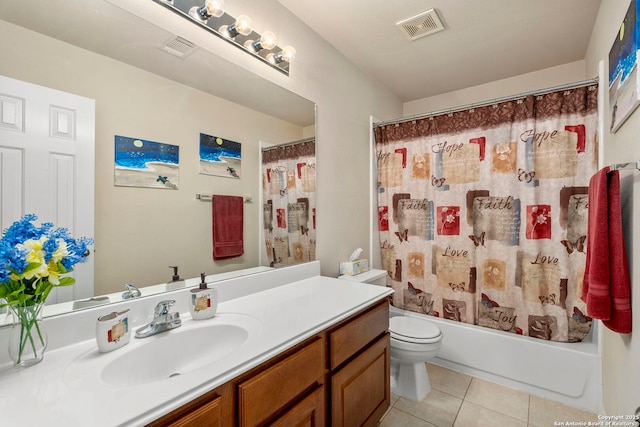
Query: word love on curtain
point(483, 212)
point(289, 186)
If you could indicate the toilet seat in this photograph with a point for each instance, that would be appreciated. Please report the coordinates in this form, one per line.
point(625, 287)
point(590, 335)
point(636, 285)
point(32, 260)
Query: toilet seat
point(413, 330)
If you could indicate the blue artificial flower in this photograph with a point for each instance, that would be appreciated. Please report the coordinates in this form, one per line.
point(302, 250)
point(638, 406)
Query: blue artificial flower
point(5, 257)
point(32, 259)
point(49, 248)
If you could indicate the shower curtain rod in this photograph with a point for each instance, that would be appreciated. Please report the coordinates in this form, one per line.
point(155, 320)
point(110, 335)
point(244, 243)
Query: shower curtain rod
point(485, 103)
point(286, 144)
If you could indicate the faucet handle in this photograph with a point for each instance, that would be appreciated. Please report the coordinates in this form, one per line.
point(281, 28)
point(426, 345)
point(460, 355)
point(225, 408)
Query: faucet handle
point(163, 307)
point(131, 292)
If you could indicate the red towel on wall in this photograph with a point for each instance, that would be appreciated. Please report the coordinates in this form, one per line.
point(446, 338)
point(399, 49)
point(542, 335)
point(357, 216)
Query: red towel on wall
point(228, 226)
point(606, 289)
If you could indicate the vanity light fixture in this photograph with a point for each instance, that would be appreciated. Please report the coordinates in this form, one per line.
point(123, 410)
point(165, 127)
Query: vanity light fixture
point(211, 16)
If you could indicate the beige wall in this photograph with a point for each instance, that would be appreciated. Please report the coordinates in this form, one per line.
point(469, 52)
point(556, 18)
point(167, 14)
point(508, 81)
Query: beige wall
point(541, 79)
point(140, 231)
point(345, 99)
point(620, 353)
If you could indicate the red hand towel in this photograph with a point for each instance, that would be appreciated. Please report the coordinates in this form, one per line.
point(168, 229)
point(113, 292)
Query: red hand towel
point(228, 226)
point(606, 289)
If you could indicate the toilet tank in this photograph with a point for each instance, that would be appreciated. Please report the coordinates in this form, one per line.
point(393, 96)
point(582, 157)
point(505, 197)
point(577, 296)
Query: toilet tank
point(373, 276)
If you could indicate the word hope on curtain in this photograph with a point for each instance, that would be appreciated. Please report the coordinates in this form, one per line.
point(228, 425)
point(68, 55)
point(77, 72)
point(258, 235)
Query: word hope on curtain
point(483, 212)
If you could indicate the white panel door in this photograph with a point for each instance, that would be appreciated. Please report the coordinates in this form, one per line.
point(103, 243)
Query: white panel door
point(47, 155)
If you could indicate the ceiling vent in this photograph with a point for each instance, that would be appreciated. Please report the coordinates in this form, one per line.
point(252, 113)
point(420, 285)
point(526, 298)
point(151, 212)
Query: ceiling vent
point(179, 47)
point(421, 25)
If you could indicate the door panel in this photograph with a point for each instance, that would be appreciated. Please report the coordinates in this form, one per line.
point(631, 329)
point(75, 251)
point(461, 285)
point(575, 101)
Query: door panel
point(47, 165)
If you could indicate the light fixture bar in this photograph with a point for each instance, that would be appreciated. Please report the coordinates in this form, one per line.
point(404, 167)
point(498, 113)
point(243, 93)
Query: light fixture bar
point(225, 27)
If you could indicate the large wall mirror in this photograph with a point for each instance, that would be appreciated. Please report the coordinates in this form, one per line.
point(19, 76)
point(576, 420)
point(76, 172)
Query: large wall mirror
point(144, 89)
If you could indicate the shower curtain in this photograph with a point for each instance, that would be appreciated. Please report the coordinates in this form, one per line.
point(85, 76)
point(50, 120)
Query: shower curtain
point(483, 212)
point(288, 186)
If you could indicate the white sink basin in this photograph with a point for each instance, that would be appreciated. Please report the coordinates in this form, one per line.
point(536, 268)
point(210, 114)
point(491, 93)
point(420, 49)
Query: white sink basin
point(194, 345)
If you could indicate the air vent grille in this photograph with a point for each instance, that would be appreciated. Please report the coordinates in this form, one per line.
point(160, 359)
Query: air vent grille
point(421, 25)
point(179, 47)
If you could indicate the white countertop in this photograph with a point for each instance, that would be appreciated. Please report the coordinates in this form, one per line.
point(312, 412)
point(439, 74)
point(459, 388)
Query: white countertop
point(289, 314)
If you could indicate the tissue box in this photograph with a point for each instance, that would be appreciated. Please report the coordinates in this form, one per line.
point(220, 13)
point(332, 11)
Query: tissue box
point(353, 268)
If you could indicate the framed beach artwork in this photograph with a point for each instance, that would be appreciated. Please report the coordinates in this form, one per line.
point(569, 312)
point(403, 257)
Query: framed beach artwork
point(220, 157)
point(624, 97)
point(142, 163)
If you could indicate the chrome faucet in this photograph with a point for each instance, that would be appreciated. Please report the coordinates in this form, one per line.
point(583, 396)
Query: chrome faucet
point(131, 292)
point(162, 321)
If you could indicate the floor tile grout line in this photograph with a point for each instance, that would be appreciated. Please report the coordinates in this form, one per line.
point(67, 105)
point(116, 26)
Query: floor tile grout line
point(414, 416)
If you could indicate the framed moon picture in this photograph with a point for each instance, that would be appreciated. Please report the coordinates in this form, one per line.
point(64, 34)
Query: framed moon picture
point(624, 77)
point(142, 163)
point(220, 157)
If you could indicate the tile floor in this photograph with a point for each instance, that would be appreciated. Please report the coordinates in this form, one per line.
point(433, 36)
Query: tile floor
point(460, 400)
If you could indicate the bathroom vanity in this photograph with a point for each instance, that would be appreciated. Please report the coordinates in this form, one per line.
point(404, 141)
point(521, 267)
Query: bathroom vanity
point(312, 351)
point(338, 377)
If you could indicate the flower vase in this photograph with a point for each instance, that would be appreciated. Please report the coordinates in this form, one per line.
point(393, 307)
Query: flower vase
point(28, 338)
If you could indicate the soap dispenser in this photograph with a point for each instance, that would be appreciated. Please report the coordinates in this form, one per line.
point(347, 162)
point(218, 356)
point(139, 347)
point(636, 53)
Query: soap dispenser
point(176, 282)
point(204, 301)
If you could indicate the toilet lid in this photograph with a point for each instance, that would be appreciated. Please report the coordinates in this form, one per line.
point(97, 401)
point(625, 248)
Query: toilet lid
point(411, 329)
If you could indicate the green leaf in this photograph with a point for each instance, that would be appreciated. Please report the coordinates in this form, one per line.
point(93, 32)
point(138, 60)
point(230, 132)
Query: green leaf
point(43, 287)
point(31, 266)
point(67, 281)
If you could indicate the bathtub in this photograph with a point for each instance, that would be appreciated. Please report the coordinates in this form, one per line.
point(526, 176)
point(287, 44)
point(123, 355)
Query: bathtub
point(569, 373)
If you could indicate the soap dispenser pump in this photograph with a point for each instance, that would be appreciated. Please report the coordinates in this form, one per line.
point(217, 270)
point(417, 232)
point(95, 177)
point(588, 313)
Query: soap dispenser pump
point(204, 301)
point(176, 281)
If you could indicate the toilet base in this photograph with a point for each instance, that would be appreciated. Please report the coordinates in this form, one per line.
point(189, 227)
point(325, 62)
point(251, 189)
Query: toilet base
point(410, 381)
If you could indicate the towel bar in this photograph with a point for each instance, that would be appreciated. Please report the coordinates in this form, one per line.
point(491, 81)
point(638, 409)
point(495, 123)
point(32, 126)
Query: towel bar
point(207, 198)
point(630, 165)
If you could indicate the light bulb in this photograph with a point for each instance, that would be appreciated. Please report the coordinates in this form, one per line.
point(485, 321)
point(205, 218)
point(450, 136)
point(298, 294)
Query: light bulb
point(285, 55)
point(288, 53)
point(267, 41)
point(243, 25)
point(215, 7)
point(207, 10)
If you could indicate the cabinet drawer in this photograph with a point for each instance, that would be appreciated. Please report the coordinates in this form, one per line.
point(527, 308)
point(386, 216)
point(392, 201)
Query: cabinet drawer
point(275, 387)
point(347, 340)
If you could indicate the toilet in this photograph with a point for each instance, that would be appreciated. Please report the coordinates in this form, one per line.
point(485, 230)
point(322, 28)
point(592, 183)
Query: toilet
point(414, 341)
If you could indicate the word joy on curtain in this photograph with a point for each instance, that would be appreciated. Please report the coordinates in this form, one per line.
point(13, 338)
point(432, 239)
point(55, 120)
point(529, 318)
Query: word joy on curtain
point(483, 212)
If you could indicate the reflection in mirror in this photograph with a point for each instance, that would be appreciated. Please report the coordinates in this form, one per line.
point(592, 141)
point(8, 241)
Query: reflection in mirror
point(289, 202)
point(141, 91)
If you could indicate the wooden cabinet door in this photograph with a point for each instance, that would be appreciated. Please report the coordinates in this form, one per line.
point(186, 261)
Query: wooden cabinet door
point(307, 413)
point(360, 391)
point(212, 409)
point(207, 415)
point(271, 390)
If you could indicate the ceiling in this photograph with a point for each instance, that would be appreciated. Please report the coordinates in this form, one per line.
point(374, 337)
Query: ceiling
point(101, 26)
point(483, 41)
